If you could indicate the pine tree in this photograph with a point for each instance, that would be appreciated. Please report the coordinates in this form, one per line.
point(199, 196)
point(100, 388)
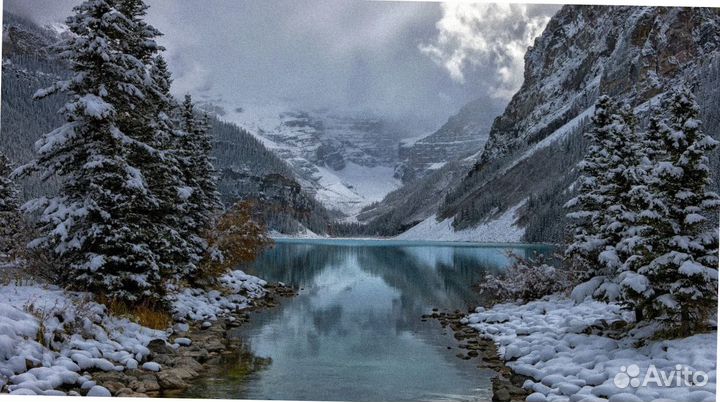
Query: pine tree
point(98, 225)
point(201, 195)
point(644, 211)
point(683, 273)
point(206, 170)
point(591, 254)
point(623, 176)
point(176, 245)
point(10, 219)
point(150, 123)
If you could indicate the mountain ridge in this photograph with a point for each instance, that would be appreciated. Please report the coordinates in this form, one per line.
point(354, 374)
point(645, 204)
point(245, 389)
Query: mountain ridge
point(632, 53)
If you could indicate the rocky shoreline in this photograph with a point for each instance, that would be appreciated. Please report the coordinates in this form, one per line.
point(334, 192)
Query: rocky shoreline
point(507, 385)
point(191, 349)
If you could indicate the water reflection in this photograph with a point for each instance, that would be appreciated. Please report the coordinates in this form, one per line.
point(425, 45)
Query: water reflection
point(354, 332)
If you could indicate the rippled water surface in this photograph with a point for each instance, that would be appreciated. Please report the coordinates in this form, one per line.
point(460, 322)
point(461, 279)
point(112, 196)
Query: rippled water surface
point(354, 332)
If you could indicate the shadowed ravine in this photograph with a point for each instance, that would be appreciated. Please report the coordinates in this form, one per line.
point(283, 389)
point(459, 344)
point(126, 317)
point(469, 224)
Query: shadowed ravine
point(355, 331)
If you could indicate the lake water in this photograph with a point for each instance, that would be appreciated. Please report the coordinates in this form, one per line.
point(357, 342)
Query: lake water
point(354, 333)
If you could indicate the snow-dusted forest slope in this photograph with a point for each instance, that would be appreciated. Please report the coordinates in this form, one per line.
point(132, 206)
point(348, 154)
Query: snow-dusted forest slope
point(634, 54)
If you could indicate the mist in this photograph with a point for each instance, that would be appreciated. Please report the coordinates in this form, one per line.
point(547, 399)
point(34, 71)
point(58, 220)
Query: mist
point(416, 62)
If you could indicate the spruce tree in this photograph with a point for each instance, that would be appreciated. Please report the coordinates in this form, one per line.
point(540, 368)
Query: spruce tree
point(593, 241)
point(150, 123)
point(622, 177)
point(176, 245)
point(10, 219)
point(206, 169)
point(201, 195)
point(683, 273)
point(98, 225)
point(644, 211)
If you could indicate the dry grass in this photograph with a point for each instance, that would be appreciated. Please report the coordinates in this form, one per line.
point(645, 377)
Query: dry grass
point(144, 313)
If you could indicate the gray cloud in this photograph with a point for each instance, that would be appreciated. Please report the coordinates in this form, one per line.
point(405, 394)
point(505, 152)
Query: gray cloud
point(388, 57)
point(487, 36)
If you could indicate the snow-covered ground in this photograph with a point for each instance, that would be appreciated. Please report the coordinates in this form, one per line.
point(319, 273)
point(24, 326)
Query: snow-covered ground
point(500, 230)
point(545, 341)
point(50, 337)
point(200, 305)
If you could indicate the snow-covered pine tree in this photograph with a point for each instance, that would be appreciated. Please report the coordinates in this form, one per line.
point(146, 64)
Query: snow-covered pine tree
point(596, 193)
point(202, 197)
point(684, 272)
point(97, 225)
point(10, 219)
point(206, 169)
point(623, 177)
point(150, 123)
point(140, 41)
point(644, 211)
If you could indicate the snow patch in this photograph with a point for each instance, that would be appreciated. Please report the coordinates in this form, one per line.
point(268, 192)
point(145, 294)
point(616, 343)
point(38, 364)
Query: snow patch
point(48, 336)
point(544, 340)
point(239, 289)
point(500, 230)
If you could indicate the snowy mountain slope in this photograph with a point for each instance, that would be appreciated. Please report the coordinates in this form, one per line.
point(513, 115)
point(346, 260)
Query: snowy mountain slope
point(503, 229)
point(414, 202)
point(464, 134)
point(631, 53)
point(634, 54)
point(346, 160)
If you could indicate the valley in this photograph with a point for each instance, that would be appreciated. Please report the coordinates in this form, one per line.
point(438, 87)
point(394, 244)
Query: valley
point(432, 202)
point(360, 174)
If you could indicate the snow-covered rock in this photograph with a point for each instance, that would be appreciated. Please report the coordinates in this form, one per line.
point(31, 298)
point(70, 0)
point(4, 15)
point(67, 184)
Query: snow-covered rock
point(151, 366)
point(98, 391)
point(183, 341)
point(545, 340)
point(203, 305)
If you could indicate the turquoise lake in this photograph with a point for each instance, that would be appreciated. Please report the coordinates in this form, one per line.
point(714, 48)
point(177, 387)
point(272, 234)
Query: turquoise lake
point(354, 332)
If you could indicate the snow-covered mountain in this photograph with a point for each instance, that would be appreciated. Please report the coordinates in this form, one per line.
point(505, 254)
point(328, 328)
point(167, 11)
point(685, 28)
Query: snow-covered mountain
point(634, 54)
point(346, 159)
point(464, 134)
point(476, 172)
point(247, 170)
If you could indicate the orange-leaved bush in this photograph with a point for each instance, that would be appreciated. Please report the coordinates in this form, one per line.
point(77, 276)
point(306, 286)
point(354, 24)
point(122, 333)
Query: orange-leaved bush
point(237, 238)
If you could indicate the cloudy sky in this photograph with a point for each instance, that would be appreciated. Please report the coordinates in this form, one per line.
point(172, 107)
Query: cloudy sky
point(409, 60)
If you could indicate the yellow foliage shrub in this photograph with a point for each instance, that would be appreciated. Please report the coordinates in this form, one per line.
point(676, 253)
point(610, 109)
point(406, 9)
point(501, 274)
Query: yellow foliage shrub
point(236, 239)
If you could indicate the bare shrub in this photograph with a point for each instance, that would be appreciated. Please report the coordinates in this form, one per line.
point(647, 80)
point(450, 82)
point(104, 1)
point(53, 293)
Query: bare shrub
point(526, 280)
point(36, 263)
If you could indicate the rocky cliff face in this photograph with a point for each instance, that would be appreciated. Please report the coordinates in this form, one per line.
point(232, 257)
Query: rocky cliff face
point(634, 54)
point(463, 135)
